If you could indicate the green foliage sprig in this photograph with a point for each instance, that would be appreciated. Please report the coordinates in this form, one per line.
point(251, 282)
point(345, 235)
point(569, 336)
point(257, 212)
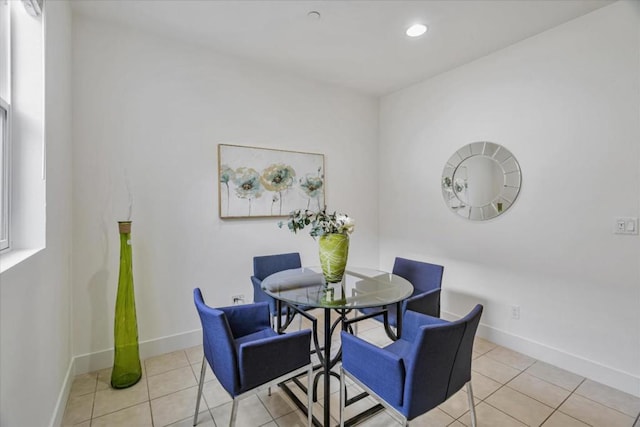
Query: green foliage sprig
point(319, 223)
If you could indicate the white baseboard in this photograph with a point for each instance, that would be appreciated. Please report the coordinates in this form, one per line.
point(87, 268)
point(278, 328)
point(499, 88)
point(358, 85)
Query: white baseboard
point(623, 381)
point(63, 396)
point(104, 359)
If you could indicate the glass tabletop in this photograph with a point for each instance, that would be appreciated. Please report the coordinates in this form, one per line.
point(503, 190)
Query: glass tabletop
point(360, 288)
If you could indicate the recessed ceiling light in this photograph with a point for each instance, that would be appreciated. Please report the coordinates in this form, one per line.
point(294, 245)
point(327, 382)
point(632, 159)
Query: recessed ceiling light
point(416, 30)
point(314, 15)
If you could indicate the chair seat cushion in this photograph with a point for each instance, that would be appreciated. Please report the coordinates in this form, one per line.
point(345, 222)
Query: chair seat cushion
point(263, 333)
point(401, 348)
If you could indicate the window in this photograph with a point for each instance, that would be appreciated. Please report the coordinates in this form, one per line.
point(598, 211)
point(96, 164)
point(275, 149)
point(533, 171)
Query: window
point(4, 175)
point(22, 155)
point(5, 83)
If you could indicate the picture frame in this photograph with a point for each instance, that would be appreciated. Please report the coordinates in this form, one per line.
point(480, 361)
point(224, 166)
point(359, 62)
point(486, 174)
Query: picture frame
point(264, 182)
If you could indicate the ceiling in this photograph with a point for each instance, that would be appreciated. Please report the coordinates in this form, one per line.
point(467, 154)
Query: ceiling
point(356, 44)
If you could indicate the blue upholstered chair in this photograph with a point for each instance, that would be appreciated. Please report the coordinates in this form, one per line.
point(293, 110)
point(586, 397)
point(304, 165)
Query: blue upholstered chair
point(244, 352)
point(426, 280)
point(264, 266)
point(413, 375)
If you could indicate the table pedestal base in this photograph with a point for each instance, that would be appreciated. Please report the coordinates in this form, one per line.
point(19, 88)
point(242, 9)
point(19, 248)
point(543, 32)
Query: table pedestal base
point(327, 363)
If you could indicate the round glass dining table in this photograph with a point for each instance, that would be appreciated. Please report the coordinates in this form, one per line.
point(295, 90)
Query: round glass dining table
point(305, 288)
point(360, 288)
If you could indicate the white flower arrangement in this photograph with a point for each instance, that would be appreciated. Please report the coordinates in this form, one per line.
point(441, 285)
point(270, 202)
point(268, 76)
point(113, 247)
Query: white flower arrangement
point(320, 223)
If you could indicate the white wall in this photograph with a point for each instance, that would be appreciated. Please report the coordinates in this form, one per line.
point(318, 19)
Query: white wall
point(35, 349)
point(567, 104)
point(151, 112)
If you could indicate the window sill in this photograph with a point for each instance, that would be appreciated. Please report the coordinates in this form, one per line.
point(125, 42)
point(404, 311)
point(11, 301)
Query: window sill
point(14, 257)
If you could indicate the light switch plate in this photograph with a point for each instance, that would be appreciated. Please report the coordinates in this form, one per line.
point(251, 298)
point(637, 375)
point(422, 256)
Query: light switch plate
point(625, 225)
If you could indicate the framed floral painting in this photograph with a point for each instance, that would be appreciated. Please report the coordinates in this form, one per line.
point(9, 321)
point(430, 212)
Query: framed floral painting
point(261, 182)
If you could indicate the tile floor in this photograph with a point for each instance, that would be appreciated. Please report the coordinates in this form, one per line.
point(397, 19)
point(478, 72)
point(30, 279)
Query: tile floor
point(510, 389)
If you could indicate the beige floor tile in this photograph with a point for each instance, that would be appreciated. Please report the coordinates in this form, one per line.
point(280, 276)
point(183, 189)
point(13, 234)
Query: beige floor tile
point(278, 404)
point(84, 384)
point(334, 384)
point(194, 354)
point(111, 400)
point(214, 394)
point(488, 416)
point(204, 420)
point(78, 409)
point(134, 416)
point(554, 375)
point(104, 379)
point(493, 369)
point(540, 390)
point(174, 407)
point(519, 406)
point(558, 419)
point(434, 418)
point(383, 419)
point(456, 405)
point(293, 419)
point(482, 346)
point(593, 413)
point(610, 397)
point(251, 413)
point(524, 397)
point(318, 409)
point(166, 362)
point(511, 358)
point(306, 323)
point(376, 337)
point(482, 386)
point(368, 324)
point(171, 381)
point(208, 375)
point(353, 409)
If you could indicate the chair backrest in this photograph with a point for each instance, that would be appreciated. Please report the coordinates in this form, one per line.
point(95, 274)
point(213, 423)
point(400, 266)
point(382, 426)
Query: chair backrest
point(440, 364)
point(264, 266)
point(422, 275)
point(218, 344)
point(461, 373)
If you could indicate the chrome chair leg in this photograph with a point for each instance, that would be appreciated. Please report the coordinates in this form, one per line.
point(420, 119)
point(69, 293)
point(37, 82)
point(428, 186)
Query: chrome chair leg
point(342, 396)
point(234, 413)
point(472, 407)
point(310, 396)
point(202, 373)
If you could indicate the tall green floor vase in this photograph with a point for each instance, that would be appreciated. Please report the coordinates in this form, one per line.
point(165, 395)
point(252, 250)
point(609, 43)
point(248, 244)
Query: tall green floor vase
point(334, 250)
point(126, 360)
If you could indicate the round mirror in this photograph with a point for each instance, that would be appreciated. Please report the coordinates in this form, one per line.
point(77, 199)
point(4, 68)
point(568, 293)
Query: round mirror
point(481, 180)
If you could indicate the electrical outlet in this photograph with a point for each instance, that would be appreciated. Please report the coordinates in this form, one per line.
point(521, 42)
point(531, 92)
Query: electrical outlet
point(515, 312)
point(237, 299)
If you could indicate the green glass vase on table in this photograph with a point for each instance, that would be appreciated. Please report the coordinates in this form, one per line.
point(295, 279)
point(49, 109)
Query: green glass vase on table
point(332, 231)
